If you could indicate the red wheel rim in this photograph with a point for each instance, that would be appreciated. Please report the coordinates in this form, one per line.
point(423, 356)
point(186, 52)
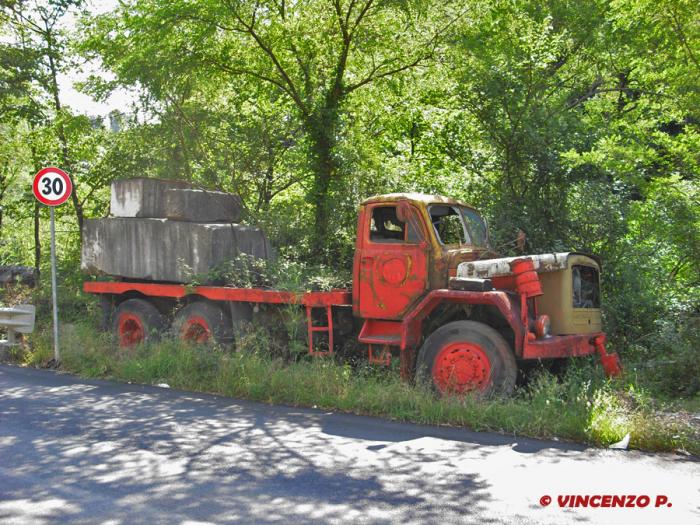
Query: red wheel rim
point(195, 330)
point(461, 367)
point(131, 330)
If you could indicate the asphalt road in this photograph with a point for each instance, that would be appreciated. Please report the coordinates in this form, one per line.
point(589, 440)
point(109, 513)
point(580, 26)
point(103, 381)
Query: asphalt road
point(80, 451)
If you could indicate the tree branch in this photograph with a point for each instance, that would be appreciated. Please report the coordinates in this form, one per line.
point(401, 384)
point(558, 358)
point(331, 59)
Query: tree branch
point(373, 75)
point(678, 29)
point(360, 16)
point(292, 90)
point(430, 44)
point(342, 21)
point(255, 74)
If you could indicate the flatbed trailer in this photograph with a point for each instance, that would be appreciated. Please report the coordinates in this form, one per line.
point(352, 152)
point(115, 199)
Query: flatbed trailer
point(254, 296)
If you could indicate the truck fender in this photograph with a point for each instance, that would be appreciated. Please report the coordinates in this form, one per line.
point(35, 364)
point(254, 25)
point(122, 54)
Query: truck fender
point(411, 327)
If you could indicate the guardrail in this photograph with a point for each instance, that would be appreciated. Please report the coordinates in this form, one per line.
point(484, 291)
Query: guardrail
point(18, 319)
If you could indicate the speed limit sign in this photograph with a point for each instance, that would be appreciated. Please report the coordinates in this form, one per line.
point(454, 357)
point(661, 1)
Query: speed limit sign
point(52, 186)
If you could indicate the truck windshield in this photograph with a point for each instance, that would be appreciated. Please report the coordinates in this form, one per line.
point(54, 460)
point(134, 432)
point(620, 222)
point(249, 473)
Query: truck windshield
point(477, 227)
point(458, 225)
point(585, 286)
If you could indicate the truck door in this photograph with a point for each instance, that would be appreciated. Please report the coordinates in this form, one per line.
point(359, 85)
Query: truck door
point(393, 260)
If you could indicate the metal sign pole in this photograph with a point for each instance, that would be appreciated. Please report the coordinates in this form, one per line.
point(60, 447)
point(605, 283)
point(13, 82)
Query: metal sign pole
point(56, 353)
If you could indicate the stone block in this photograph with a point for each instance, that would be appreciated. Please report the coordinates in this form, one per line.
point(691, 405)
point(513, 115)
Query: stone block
point(142, 197)
point(164, 250)
point(201, 206)
point(170, 199)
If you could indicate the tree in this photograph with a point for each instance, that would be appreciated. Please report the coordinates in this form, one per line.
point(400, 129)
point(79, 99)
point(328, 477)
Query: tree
point(316, 54)
point(525, 68)
point(36, 24)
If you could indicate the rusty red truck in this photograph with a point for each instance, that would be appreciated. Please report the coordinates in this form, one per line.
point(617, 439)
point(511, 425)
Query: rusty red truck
point(427, 288)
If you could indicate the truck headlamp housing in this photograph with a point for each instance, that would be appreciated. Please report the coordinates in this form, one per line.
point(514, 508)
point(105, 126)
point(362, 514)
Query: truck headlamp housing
point(543, 326)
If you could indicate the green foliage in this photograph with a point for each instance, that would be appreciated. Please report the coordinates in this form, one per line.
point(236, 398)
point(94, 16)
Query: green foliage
point(301, 62)
point(667, 358)
point(246, 271)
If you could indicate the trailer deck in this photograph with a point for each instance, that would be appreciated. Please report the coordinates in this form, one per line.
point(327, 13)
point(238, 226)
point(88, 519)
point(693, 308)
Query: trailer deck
point(223, 293)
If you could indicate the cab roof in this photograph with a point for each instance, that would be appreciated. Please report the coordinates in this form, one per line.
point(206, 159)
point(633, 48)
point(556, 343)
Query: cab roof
point(416, 197)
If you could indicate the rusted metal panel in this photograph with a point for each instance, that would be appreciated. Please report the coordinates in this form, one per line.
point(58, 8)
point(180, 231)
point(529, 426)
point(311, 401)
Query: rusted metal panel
point(485, 269)
point(411, 329)
point(380, 332)
point(574, 346)
point(390, 278)
point(559, 346)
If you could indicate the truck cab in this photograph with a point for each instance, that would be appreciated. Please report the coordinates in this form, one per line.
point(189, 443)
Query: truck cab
point(409, 243)
point(426, 280)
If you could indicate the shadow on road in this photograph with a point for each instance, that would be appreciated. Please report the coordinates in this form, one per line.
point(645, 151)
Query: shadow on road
point(94, 451)
point(74, 449)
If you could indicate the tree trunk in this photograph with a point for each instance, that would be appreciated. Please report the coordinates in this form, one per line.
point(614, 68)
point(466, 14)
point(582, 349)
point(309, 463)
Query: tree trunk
point(37, 209)
point(325, 169)
point(61, 132)
point(265, 196)
point(37, 242)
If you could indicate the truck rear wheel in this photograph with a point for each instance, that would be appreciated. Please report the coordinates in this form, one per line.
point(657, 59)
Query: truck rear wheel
point(467, 357)
point(201, 323)
point(137, 321)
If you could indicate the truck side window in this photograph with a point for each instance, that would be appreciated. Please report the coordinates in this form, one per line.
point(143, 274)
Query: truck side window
point(385, 227)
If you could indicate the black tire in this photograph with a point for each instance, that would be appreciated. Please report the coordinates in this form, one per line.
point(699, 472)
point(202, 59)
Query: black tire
point(137, 321)
point(467, 356)
point(202, 322)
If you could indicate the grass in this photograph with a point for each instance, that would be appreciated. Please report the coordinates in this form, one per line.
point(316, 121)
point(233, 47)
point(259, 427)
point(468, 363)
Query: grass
point(582, 407)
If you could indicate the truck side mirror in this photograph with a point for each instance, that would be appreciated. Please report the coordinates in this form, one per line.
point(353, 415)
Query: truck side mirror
point(520, 240)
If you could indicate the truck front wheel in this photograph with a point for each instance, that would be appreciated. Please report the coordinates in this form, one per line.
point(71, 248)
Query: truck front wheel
point(467, 357)
point(137, 321)
point(201, 323)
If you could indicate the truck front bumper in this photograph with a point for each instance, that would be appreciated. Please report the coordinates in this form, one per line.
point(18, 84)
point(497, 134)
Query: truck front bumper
point(574, 346)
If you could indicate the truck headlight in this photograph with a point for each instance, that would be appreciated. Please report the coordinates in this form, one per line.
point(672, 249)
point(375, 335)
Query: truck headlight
point(543, 326)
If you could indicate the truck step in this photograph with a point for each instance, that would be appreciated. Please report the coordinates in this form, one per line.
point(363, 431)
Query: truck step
point(379, 332)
